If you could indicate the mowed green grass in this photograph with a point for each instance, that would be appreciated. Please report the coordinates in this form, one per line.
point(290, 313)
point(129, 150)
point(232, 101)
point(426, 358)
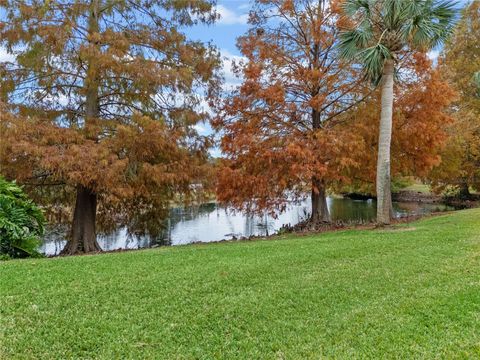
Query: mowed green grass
point(409, 292)
point(417, 187)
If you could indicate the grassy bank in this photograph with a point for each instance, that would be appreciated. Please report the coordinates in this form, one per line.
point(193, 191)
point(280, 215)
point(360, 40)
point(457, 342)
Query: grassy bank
point(413, 291)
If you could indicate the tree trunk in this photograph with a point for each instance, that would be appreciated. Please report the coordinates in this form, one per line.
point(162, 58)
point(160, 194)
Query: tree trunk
point(464, 191)
point(320, 211)
point(83, 238)
point(384, 195)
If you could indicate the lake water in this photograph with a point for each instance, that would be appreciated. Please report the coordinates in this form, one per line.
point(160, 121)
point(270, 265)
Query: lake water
point(210, 222)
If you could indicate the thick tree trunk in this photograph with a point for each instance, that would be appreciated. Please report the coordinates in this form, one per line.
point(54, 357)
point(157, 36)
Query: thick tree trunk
point(384, 194)
point(320, 211)
point(83, 238)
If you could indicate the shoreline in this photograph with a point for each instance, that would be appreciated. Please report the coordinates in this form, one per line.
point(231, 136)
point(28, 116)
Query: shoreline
point(305, 229)
point(424, 198)
point(281, 235)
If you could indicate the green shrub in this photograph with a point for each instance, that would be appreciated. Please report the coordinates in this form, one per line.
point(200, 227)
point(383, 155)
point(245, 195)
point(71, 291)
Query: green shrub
point(399, 183)
point(21, 223)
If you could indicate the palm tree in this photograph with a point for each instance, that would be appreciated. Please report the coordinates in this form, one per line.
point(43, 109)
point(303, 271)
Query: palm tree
point(380, 31)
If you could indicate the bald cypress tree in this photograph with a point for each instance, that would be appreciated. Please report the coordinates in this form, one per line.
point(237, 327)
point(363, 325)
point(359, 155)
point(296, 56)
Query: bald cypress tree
point(105, 96)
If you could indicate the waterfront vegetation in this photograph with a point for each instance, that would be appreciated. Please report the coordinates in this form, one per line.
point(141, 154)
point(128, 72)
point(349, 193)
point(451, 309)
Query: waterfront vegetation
point(408, 291)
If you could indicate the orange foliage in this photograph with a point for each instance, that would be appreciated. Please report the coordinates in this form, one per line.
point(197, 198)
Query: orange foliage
point(135, 161)
point(278, 127)
point(420, 123)
point(460, 61)
point(293, 119)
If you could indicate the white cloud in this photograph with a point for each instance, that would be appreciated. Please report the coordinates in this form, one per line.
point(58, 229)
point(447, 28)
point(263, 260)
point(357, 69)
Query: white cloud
point(229, 17)
point(231, 80)
point(5, 56)
point(433, 55)
point(202, 129)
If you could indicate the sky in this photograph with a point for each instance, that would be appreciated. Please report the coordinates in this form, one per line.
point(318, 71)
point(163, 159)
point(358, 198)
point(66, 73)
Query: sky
point(232, 24)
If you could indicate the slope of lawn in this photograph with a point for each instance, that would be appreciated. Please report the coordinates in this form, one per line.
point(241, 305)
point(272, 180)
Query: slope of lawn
point(408, 292)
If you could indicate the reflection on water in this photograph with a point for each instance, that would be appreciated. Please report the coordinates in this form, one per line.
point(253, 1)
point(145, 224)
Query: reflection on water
point(210, 222)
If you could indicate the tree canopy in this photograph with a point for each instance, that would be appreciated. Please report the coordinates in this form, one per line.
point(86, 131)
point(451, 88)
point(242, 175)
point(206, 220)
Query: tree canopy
point(383, 29)
point(459, 62)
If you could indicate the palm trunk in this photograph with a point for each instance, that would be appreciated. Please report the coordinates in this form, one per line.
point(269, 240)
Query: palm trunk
point(320, 211)
point(83, 238)
point(384, 195)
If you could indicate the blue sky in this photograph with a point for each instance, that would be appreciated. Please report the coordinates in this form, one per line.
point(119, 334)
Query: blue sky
point(231, 25)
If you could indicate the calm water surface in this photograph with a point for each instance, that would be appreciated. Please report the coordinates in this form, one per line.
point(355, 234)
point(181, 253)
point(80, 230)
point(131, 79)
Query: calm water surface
point(209, 222)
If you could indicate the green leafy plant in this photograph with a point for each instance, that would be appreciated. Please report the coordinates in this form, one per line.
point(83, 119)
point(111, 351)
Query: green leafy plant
point(21, 222)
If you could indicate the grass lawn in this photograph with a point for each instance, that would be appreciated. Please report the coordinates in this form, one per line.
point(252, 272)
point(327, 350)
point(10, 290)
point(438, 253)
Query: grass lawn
point(410, 292)
point(425, 189)
point(417, 187)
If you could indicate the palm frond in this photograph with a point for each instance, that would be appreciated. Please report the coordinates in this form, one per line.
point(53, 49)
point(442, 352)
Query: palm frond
point(373, 59)
point(430, 22)
point(351, 42)
point(352, 7)
point(393, 25)
point(394, 13)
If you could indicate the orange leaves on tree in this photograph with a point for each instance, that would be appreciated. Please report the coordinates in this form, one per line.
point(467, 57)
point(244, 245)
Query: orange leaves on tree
point(459, 62)
point(278, 126)
point(420, 123)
